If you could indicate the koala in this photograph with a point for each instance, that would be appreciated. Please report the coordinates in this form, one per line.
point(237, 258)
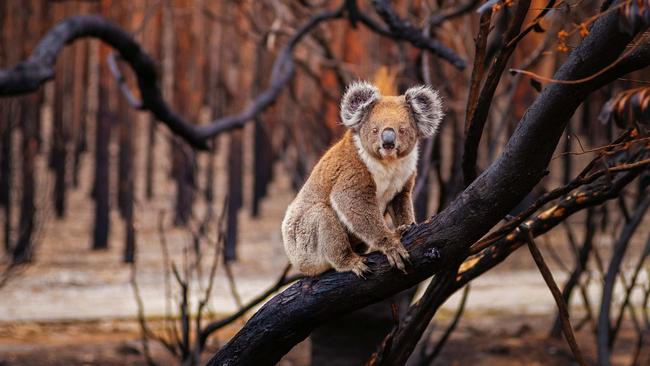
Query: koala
point(340, 211)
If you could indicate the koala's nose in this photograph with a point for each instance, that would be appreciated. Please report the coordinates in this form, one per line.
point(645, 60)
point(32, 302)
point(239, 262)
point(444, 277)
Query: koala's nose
point(388, 138)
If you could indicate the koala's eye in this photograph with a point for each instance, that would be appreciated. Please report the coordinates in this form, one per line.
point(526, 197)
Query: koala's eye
point(375, 130)
point(402, 130)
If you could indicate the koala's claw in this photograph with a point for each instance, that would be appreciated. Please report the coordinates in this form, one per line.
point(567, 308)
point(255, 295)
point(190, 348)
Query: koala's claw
point(360, 269)
point(397, 256)
point(402, 228)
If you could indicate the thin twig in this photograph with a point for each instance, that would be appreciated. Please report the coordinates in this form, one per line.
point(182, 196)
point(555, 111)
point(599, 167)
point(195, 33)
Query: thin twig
point(214, 326)
point(557, 295)
point(431, 357)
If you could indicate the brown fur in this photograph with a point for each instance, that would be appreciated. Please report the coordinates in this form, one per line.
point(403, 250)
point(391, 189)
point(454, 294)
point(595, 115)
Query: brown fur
point(352, 187)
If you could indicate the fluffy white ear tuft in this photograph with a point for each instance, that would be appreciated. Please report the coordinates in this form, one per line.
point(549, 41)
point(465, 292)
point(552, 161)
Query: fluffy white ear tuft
point(426, 107)
point(357, 98)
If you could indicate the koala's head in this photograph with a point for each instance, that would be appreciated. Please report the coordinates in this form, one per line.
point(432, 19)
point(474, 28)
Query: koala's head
point(390, 126)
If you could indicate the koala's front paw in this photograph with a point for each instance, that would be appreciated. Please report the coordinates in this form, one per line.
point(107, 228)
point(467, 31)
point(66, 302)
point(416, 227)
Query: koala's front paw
point(402, 228)
point(397, 256)
point(356, 265)
point(360, 268)
point(395, 253)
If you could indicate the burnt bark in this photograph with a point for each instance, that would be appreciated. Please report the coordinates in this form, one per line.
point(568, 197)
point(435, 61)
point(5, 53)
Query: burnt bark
point(183, 172)
point(235, 194)
point(23, 250)
point(61, 129)
point(126, 185)
point(184, 159)
point(6, 169)
point(578, 270)
point(352, 338)
point(101, 180)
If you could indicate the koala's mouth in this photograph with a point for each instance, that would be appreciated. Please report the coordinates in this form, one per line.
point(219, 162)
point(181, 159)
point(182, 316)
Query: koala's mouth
point(390, 151)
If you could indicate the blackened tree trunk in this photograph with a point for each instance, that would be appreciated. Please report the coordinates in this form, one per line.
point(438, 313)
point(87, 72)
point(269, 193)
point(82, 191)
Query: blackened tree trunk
point(6, 168)
point(61, 120)
point(263, 164)
point(125, 180)
point(151, 157)
point(185, 92)
point(23, 250)
point(102, 140)
point(351, 339)
point(152, 38)
point(183, 173)
point(262, 150)
point(33, 20)
point(79, 109)
point(8, 116)
point(215, 98)
point(234, 193)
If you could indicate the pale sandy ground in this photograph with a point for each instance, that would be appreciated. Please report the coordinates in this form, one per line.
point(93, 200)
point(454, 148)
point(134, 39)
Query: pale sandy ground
point(70, 282)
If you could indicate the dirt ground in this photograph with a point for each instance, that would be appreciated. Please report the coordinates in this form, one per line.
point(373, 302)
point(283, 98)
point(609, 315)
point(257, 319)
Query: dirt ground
point(74, 306)
point(504, 340)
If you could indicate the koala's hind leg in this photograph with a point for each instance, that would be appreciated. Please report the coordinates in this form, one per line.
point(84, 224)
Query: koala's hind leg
point(334, 244)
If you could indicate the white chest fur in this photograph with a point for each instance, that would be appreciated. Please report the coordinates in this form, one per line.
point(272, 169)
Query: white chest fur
point(389, 178)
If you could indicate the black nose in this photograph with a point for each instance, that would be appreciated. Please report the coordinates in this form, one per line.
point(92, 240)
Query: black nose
point(388, 138)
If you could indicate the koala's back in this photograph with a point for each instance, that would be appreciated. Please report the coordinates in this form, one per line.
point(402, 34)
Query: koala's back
point(340, 165)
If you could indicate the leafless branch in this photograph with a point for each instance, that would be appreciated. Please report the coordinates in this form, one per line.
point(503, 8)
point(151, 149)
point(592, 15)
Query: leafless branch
point(559, 301)
point(604, 325)
point(429, 358)
point(477, 115)
point(401, 29)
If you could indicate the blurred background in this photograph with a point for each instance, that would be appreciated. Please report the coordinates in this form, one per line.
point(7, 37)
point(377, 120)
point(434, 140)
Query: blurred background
point(123, 244)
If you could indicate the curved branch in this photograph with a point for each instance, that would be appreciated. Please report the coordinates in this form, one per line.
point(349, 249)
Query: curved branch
point(402, 30)
point(446, 14)
point(290, 316)
point(112, 62)
point(30, 74)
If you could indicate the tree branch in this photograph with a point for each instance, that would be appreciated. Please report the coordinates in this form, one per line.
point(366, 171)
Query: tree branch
point(402, 30)
point(478, 114)
point(604, 325)
point(557, 295)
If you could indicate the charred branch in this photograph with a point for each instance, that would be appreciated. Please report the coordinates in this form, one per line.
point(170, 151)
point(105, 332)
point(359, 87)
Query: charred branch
point(604, 325)
point(478, 112)
point(403, 30)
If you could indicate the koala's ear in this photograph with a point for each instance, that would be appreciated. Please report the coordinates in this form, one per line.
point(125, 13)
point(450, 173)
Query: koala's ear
point(426, 106)
point(358, 97)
